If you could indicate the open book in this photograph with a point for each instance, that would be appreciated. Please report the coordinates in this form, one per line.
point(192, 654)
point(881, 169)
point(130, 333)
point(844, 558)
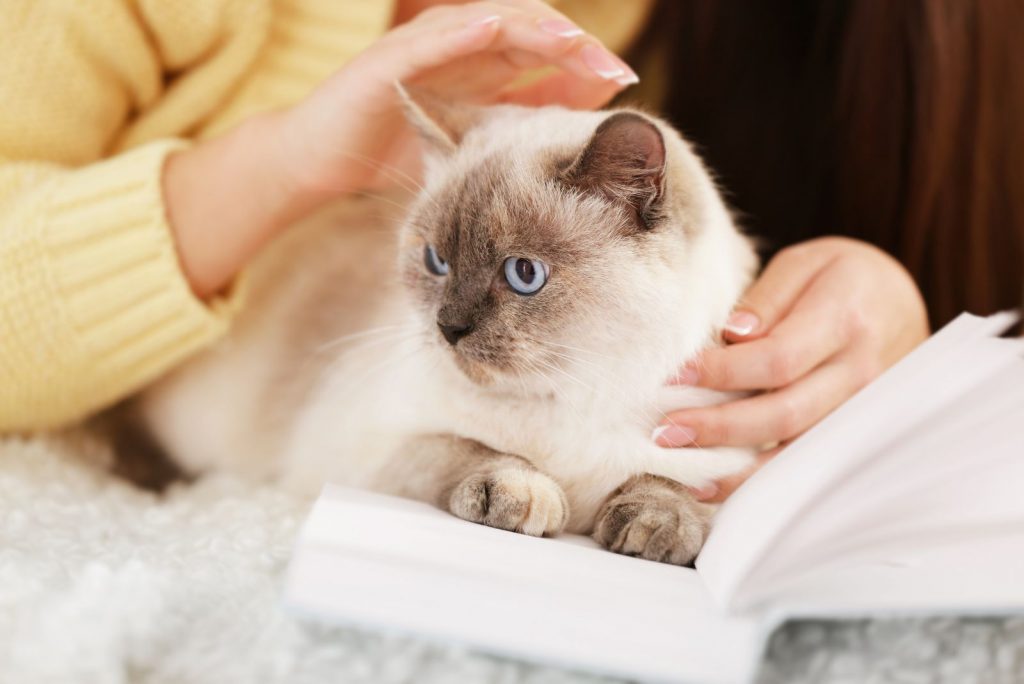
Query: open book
point(908, 499)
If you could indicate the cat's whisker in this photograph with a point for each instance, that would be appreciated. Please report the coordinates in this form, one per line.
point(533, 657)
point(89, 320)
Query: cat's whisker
point(394, 362)
point(573, 359)
point(612, 378)
point(367, 374)
point(362, 334)
point(569, 347)
point(367, 345)
point(558, 391)
point(404, 208)
point(601, 371)
point(397, 176)
point(362, 340)
point(389, 223)
point(389, 171)
point(517, 373)
point(568, 376)
point(562, 396)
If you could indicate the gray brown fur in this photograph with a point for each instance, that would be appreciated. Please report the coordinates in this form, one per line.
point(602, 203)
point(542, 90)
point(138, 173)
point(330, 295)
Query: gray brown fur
point(654, 518)
point(481, 485)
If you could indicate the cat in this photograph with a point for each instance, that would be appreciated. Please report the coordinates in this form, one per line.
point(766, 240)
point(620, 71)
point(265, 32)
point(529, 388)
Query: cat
point(504, 353)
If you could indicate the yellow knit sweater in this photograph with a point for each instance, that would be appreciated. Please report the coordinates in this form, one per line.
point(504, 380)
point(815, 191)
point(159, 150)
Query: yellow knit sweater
point(95, 95)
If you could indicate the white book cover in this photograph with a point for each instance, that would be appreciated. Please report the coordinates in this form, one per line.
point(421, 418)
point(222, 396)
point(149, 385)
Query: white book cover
point(905, 500)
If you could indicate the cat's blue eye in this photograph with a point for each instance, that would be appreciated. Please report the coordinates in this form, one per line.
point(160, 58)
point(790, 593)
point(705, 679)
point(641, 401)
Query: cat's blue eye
point(434, 263)
point(525, 276)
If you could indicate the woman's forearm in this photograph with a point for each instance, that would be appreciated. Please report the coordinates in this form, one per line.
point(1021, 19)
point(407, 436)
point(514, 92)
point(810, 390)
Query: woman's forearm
point(228, 196)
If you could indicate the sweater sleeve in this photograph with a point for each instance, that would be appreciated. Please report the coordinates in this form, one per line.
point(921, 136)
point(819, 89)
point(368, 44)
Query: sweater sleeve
point(93, 302)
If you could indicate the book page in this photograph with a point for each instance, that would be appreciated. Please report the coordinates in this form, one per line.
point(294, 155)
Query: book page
point(938, 524)
point(776, 524)
point(390, 564)
point(974, 574)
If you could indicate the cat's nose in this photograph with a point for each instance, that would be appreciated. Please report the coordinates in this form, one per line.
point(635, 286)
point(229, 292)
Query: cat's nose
point(454, 333)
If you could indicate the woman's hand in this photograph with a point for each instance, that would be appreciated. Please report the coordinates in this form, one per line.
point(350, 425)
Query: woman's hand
point(230, 195)
point(823, 320)
point(351, 132)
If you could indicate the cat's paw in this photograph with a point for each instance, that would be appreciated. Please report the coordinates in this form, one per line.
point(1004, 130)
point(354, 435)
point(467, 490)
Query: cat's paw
point(653, 518)
point(512, 498)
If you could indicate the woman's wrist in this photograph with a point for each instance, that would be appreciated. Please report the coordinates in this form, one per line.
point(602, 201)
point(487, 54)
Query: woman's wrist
point(229, 196)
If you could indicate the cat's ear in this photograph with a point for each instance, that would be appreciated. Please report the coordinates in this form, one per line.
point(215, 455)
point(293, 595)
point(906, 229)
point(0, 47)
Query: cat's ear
point(625, 162)
point(440, 123)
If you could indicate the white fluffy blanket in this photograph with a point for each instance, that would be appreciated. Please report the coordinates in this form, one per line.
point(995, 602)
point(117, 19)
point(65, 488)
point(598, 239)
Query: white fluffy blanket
point(101, 582)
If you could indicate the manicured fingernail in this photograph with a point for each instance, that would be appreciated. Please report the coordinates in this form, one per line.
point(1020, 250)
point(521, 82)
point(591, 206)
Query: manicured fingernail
point(484, 21)
point(706, 492)
point(601, 62)
point(742, 323)
point(559, 27)
point(629, 78)
point(687, 375)
point(673, 435)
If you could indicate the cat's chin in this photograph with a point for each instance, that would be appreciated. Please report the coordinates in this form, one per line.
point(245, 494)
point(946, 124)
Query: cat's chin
point(500, 382)
point(476, 372)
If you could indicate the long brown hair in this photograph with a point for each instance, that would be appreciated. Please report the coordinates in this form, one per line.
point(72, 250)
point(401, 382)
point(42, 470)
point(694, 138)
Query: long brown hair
point(900, 122)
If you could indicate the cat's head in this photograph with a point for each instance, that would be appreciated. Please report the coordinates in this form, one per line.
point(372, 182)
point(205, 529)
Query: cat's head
point(563, 249)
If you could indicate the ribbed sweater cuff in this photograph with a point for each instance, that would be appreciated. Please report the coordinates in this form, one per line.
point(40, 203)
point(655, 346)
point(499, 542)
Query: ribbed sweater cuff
point(113, 262)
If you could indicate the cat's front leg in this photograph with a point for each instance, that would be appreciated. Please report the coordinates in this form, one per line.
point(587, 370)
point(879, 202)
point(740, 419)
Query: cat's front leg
point(482, 485)
point(655, 518)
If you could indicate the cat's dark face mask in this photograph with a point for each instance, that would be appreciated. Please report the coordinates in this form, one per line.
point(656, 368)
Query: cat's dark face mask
point(494, 276)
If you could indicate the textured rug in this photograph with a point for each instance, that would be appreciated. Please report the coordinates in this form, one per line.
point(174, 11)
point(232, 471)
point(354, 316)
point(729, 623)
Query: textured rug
point(103, 582)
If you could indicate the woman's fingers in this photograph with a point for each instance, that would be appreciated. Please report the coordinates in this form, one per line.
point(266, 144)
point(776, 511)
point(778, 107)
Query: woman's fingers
point(525, 42)
point(815, 330)
point(523, 39)
point(577, 52)
point(562, 89)
point(430, 41)
point(833, 314)
point(771, 297)
point(771, 417)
